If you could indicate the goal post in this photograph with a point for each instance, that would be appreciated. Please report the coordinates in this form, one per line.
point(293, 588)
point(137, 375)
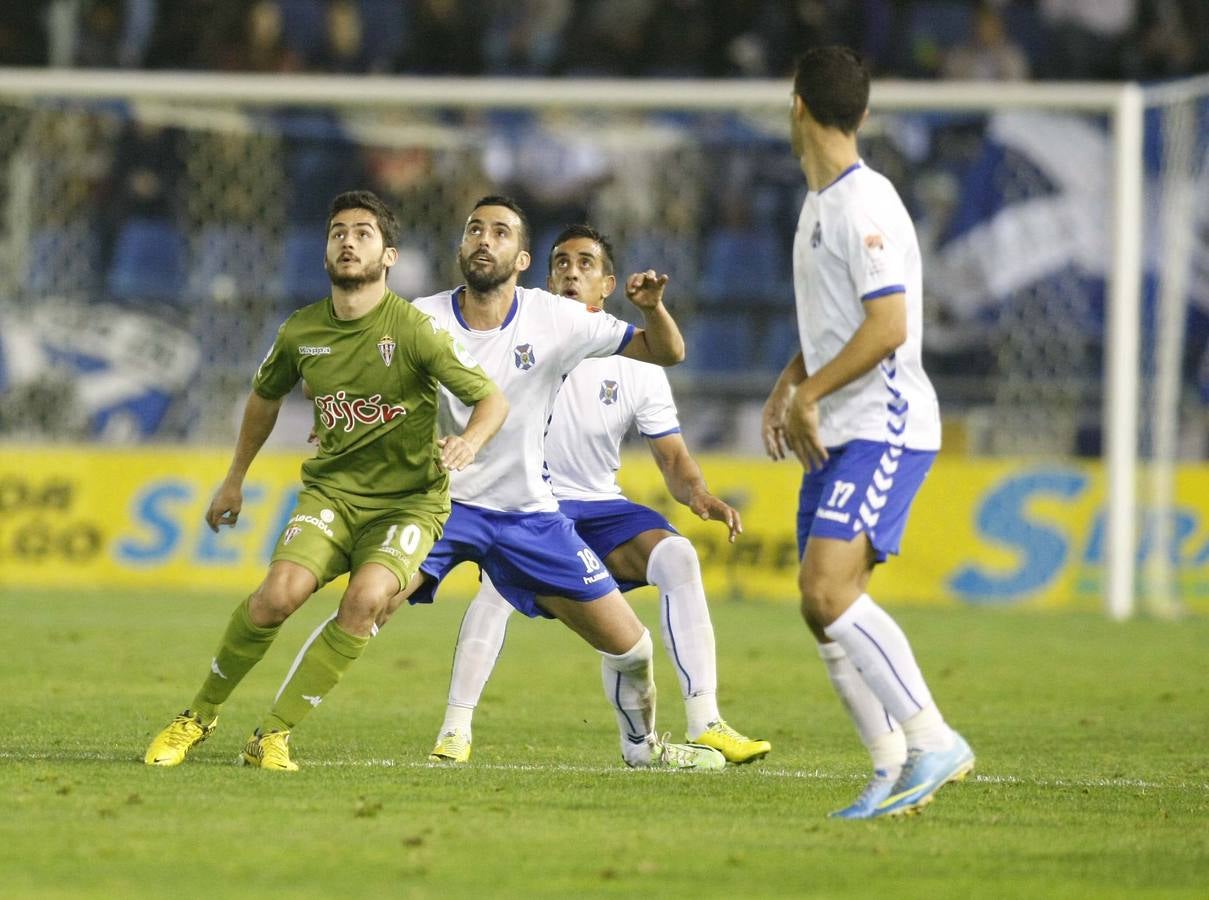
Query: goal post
point(664, 192)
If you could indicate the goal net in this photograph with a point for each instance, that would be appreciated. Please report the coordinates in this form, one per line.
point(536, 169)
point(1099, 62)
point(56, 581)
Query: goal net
point(155, 230)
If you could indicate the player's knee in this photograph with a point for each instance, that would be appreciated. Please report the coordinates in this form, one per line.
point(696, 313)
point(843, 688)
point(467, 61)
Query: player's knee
point(823, 598)
point(365, 604)
point(673, 558)
point(276, 600)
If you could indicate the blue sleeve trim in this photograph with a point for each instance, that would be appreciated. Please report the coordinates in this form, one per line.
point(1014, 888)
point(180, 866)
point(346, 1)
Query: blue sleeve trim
point(651, 437)
point(882, 292)
point(625, 338)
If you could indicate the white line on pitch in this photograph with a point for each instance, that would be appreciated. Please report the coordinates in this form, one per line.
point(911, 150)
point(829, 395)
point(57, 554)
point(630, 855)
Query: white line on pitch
point(812, 774)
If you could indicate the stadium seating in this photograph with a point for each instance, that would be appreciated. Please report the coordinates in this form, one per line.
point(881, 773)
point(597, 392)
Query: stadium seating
point(230, 261)
point(742, 264)
point(148, 261)
point(62, 261)
point(302, 274)
point(720, 342)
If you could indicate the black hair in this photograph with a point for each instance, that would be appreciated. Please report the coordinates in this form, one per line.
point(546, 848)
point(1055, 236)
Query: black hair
point(388, 225)
point(585, 231)
point(834, 85)
point(507, 203)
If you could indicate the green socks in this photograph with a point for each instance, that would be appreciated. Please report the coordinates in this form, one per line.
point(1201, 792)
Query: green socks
point(317, 670)
point(243, 646)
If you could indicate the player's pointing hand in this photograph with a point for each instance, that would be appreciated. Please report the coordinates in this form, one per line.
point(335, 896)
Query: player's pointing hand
point(645, 289)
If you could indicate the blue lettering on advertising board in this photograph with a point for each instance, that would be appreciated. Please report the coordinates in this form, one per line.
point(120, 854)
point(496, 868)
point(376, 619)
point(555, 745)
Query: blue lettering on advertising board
point(1003, 519)
point(153, 508)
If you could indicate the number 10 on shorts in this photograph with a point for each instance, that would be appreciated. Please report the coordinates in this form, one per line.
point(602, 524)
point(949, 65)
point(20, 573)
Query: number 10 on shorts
point(409, 538)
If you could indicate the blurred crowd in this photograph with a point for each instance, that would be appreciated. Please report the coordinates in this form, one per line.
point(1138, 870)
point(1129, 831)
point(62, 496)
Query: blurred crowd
point(992, 39)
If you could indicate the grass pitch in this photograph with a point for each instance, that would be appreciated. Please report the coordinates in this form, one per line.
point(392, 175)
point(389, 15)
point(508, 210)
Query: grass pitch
point(1092, 777)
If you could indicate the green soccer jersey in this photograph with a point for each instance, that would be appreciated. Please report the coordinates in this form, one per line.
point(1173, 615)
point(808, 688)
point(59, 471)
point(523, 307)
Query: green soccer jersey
point(375, 385)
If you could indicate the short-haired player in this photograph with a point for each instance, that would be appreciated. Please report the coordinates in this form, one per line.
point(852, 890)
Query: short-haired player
point(375, 495)
point(857, 409)
point(600, 401)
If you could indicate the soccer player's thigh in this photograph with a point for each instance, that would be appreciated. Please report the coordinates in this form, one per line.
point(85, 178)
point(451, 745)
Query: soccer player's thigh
point(833, 515)
point(318, 537)
point(390, 546)
point(622, 533)
point(542, 566)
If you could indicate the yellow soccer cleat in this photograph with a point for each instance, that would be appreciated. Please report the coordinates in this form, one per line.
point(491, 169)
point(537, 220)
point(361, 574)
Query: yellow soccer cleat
point(269, 751)
point(737, 748)
point(452, 747)
point(171, 745)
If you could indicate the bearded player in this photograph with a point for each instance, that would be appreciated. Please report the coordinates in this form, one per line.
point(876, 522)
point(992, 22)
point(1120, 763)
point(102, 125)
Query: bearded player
point(599, 402)
point(374, 497)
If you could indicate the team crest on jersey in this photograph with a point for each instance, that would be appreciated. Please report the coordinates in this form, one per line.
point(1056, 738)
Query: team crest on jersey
point(290, 533)
point(816, 236)
point(386, 349)
point(608, 392)
point(523, 357)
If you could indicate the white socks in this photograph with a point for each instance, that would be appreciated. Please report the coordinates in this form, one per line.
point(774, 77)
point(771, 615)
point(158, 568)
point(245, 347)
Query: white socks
point(629, 684)
point(480, 640)
point(881, 654)
point(688, 633)
point(877, 729)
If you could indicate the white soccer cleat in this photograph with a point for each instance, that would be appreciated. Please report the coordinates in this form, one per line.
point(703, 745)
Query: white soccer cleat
point(662, 754)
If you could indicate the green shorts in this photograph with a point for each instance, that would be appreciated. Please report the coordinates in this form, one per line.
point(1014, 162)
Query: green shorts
point(329, 536)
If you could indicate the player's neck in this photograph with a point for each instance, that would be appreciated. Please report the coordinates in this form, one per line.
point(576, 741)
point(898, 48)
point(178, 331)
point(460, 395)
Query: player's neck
point(484, 310)
point(826, 155)
point(357, 302)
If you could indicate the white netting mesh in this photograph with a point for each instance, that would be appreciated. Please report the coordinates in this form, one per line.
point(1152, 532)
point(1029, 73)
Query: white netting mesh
point(196, 226)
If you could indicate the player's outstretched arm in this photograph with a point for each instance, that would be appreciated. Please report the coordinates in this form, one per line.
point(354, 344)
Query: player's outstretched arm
point(459, 451)
point(659, 340)
point(259, 417)
point(685, 482)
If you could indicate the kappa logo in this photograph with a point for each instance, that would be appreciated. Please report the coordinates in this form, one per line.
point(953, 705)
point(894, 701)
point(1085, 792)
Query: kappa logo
point(524, 357)
point(290, 533)
point(816, 236)
point(313, 699)
point(608, 392)
point(386, 349)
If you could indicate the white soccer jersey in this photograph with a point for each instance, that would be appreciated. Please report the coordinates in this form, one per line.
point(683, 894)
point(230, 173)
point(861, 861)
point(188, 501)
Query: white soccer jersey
point(855, 242)
point(541, 340)
point(599, 402)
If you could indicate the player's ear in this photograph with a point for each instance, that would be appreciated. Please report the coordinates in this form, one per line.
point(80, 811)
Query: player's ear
point(610, 284)
point(390, 256)
point(522, 260)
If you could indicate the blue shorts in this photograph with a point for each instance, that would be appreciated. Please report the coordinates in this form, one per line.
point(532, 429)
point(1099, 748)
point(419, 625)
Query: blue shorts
point(526, 555)
point(864, 486)
point(607, 524)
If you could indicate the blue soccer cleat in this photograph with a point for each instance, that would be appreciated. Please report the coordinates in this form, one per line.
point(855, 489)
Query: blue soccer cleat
point(865, 806)
point(925, 773)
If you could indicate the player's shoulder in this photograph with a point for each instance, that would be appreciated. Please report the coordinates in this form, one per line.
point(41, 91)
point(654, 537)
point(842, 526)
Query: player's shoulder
point(317, 313)
point(532, 300)
point(872, 190)
point(434, 304)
